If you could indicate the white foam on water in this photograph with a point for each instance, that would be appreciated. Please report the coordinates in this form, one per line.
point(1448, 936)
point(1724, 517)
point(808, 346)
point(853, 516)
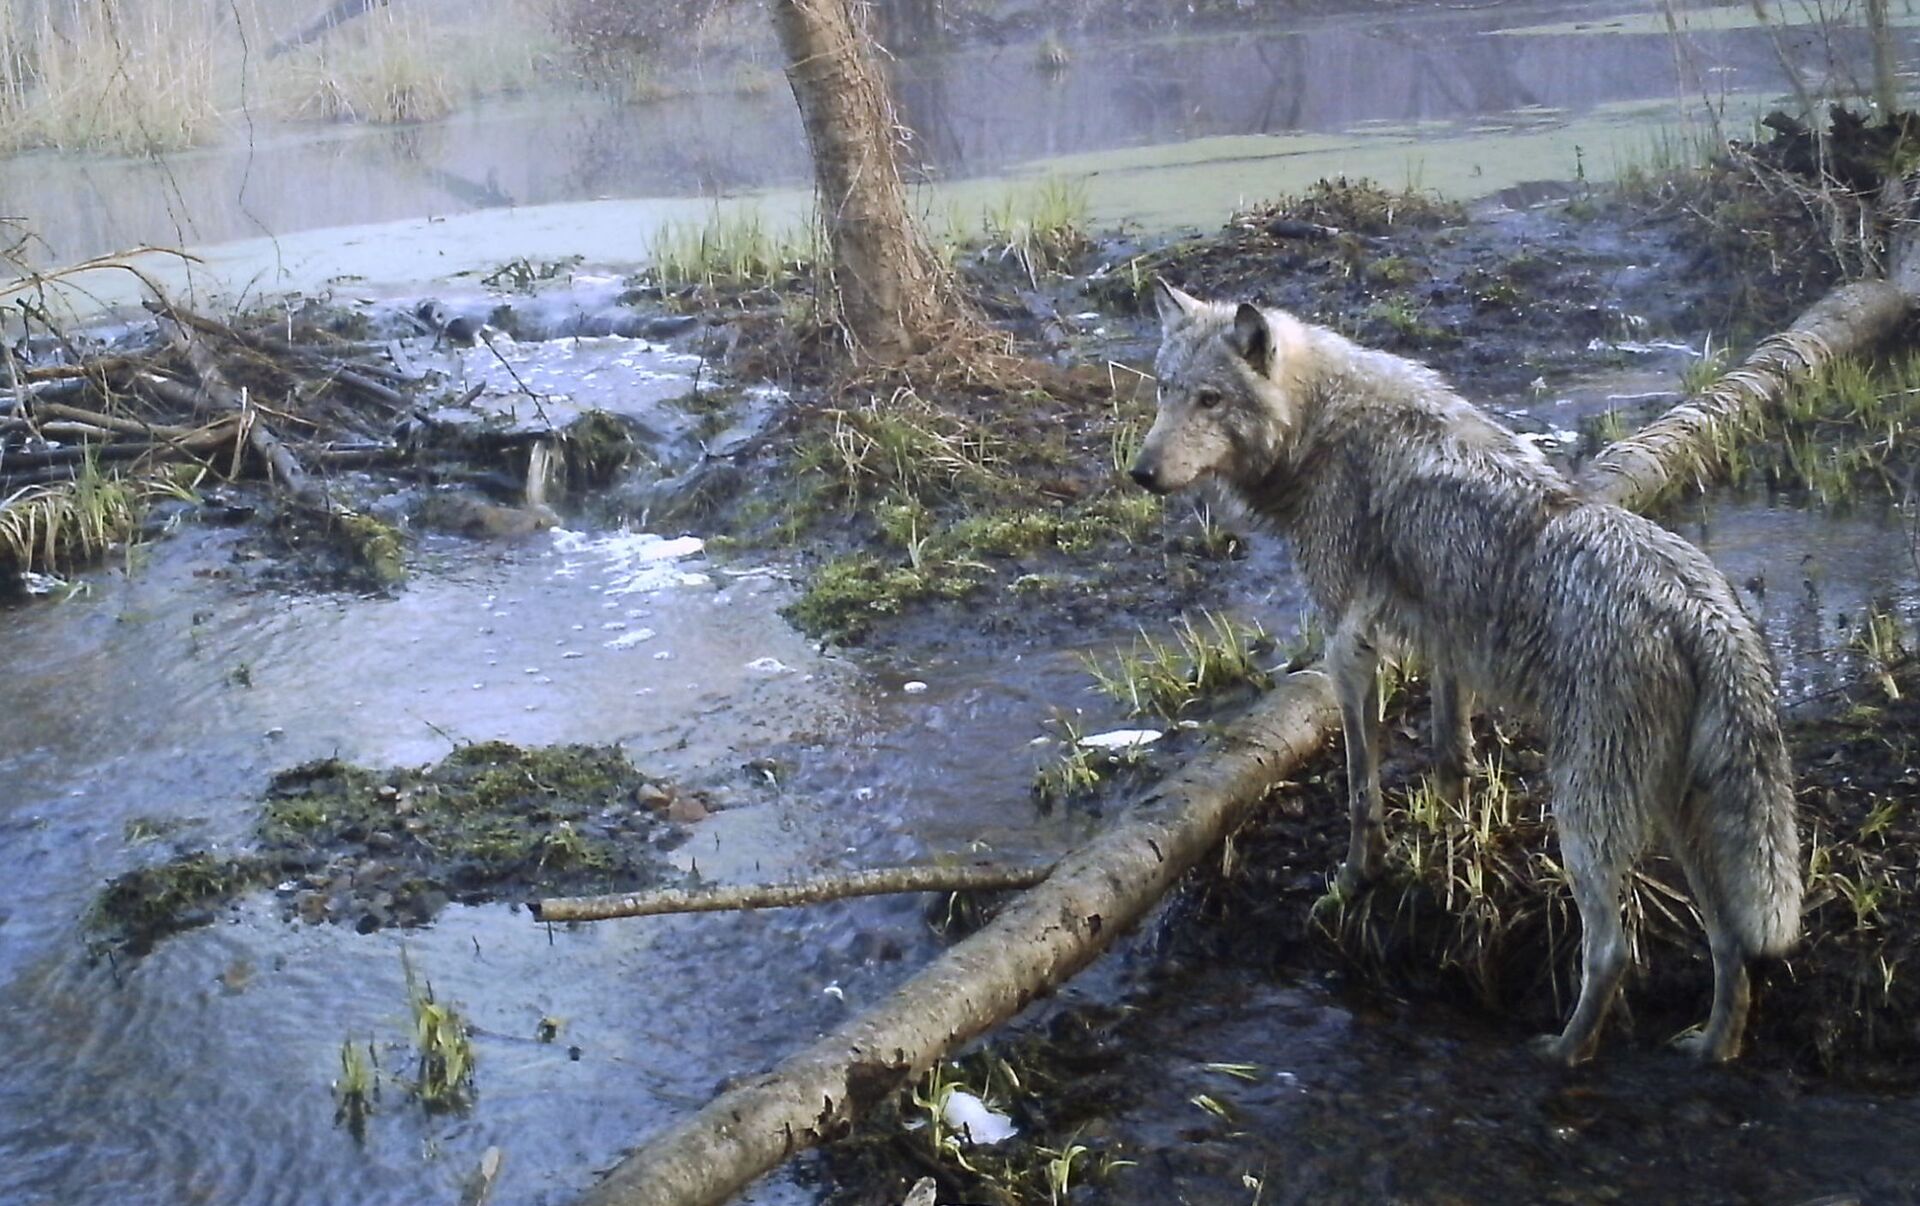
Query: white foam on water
point(629, 562)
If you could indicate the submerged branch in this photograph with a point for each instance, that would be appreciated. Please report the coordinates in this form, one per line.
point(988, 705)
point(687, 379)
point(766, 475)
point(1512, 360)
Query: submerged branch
point(879, 881)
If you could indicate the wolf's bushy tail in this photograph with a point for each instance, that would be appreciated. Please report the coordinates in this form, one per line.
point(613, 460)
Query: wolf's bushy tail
point(1743, 823)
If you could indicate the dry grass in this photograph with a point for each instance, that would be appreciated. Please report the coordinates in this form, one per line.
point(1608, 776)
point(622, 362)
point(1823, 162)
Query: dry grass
point(145, 77)
point(397, 66)
point(114, 76)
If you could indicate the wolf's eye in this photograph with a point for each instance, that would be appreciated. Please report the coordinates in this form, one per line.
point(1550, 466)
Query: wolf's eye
point(1207, 399)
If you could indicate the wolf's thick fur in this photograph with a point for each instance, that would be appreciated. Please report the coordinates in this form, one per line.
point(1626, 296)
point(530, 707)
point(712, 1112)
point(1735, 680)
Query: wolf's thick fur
point(1419, 522)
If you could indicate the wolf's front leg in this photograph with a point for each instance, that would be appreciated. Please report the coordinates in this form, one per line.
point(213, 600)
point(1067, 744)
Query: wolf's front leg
point(1353, 660)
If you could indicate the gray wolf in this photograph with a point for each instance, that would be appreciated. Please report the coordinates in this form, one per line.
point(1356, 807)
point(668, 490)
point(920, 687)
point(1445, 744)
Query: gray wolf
point(1419, 523)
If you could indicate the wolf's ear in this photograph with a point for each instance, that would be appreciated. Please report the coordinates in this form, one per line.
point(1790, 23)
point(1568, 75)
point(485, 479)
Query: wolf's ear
point(1174, 306)
point(1252, 337)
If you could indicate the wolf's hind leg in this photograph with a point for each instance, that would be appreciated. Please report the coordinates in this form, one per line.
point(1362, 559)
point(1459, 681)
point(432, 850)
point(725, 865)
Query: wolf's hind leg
point(1720, 1039)
point(1352, 659)
point(1597, 885)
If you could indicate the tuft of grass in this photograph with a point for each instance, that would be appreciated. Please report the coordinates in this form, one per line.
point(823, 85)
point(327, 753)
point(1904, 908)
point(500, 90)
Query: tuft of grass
point(114, 76)
point(1701, 372)
point(904, 445)
point(1078, 771)
point(1359, 207)
point(1043, 228)
point(1849, 429)
point(1668, 153)
point(392, 67)
point(729, 252)
point(393, 80)
point(57, 526)
point(1166, 677)
point(442, 1044)
point(357, 1087)
point(1402, 316)
point(1882, 645)
point(1473, 880)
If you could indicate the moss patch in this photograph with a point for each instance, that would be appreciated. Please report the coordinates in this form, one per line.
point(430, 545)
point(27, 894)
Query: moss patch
point(374, 848)
point(929, 560)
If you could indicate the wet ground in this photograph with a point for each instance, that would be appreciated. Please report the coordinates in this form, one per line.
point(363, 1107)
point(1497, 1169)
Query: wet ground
point(147, 713)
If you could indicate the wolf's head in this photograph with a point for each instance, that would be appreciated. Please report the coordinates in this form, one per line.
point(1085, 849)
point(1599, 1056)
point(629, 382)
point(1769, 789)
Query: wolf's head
point(1226, 384)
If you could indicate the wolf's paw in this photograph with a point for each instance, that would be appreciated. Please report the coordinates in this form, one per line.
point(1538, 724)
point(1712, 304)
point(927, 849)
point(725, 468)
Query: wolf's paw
point(1703, 1047)
point(1556, 1050)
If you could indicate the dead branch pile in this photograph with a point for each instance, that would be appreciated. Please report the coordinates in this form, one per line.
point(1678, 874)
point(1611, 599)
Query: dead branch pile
point(88, 432)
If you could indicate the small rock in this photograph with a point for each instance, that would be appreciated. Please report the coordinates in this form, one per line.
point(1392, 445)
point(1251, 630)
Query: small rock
point(685, 810)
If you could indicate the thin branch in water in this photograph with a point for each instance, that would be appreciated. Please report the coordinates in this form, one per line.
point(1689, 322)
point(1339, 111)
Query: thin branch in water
point(879, 881)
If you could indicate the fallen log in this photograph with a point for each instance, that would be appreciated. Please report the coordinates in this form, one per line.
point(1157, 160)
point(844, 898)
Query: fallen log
point(1686, 447)
point(876, 881)
point(1112, 882)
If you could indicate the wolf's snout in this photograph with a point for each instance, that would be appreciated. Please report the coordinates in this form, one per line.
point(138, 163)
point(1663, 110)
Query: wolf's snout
point(1145, 476)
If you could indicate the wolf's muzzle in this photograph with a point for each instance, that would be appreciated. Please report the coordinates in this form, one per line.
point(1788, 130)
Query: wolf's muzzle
point(1146, 477)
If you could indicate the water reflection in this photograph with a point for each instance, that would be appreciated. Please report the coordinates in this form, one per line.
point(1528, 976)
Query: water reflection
point(973, 112)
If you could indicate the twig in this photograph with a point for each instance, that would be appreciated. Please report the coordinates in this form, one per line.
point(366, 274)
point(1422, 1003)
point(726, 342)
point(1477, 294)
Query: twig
point(879, 881)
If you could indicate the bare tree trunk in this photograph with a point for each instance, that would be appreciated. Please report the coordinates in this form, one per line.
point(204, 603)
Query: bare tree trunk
point(1886, 85)
point(1108, 885)
point(894, 295)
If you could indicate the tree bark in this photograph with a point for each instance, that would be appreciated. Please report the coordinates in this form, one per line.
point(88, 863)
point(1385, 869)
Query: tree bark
point(877, 881)
point(894, 295)
point(1886, 82)
point(1108, 885)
